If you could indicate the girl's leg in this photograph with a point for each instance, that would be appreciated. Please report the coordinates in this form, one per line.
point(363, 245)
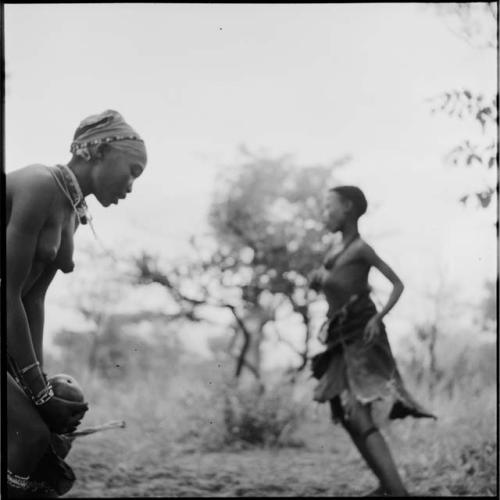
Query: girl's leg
point(360, 445)
point(27, 437)
point(338, 414)
point(373, 449)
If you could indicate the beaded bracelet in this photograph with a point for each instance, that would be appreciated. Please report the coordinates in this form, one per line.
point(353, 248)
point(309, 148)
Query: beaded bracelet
point(46, 394)
point(17, 481)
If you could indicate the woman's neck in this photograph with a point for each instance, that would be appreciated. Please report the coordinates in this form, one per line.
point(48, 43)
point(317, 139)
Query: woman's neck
point(349, 232)
point(81, 170)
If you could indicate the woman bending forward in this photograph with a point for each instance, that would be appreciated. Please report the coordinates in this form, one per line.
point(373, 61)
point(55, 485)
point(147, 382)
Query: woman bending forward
point(44, 207)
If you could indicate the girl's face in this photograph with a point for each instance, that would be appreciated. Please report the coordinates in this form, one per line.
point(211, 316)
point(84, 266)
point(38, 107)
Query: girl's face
point(114, 175)
point(335, 212)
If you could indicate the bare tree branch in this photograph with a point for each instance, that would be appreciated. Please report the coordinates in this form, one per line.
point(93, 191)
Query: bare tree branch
point(303, 310)
point(246, 341)
point(160, 278)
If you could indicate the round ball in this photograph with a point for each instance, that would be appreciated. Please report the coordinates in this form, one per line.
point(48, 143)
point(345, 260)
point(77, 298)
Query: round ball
point(66, 387)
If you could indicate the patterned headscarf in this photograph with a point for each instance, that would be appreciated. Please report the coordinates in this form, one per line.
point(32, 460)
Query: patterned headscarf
point(106, 127)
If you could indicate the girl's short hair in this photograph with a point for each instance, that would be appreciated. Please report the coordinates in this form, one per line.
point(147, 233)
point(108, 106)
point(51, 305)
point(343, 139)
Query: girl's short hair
point(355, 195)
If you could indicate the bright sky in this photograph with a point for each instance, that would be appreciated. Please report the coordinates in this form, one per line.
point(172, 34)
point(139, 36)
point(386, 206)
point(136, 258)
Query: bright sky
point(317, 81)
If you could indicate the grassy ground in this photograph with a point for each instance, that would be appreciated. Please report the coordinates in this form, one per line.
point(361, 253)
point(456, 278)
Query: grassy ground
point(174, 445)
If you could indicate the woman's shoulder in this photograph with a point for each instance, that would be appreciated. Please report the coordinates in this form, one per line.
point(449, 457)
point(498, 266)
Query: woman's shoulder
point(36, 176)
point(362, 248)
point(33, 172)
point(31, 184)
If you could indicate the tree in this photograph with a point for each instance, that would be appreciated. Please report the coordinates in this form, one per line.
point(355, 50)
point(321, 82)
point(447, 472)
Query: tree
point(443, 304)
point(118, 351)
point(266, 237)
point(476, 23)
point(95, 288)
point(98, 285)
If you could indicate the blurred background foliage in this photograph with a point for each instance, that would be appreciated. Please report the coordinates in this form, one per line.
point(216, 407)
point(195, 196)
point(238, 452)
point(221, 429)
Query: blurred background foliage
point(477, 24)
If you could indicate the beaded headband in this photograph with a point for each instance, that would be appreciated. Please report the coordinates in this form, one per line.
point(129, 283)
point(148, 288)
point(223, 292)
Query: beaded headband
point(81, 148)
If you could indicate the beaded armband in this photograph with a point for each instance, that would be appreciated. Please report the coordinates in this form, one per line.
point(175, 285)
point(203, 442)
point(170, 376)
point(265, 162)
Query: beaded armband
point(19, 375)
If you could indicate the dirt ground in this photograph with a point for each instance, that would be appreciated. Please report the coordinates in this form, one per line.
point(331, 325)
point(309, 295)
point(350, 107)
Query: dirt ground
point(326, 466)
point(176, 444)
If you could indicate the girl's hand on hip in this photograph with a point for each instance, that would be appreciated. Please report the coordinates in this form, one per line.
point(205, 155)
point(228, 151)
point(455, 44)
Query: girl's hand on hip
point(372, 328)
point(316, 278)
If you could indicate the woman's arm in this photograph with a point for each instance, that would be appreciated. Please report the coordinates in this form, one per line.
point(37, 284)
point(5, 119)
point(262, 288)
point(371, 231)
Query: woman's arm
point(34, 305)
point(30, 208)
point(30, 211)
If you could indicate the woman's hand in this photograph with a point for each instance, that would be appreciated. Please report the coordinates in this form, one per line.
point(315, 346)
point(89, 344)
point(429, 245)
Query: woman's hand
point(61, 444)
point(61, 415)
point(372, 328)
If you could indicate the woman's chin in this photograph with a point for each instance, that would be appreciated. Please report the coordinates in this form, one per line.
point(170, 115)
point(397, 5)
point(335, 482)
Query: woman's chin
point(105, 203)
point(108, 201)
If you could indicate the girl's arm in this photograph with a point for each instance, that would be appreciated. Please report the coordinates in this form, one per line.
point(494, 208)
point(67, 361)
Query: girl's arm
point(397, 285)
point(372, 328)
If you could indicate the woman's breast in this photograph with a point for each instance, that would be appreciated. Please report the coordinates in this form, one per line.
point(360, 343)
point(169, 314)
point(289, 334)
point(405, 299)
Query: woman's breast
point(55, 246)
point(49, 241)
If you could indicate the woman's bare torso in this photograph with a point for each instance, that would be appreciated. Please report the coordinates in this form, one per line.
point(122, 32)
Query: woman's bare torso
point(345, 274)
point(54, 245)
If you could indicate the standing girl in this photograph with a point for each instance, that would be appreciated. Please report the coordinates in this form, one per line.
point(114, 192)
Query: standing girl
point(357, 368)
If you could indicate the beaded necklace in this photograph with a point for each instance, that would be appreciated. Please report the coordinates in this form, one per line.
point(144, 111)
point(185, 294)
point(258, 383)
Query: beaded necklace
point(72, 191)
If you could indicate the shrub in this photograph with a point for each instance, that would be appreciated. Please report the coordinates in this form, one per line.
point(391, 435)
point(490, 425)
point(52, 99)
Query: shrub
point(242, 416)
